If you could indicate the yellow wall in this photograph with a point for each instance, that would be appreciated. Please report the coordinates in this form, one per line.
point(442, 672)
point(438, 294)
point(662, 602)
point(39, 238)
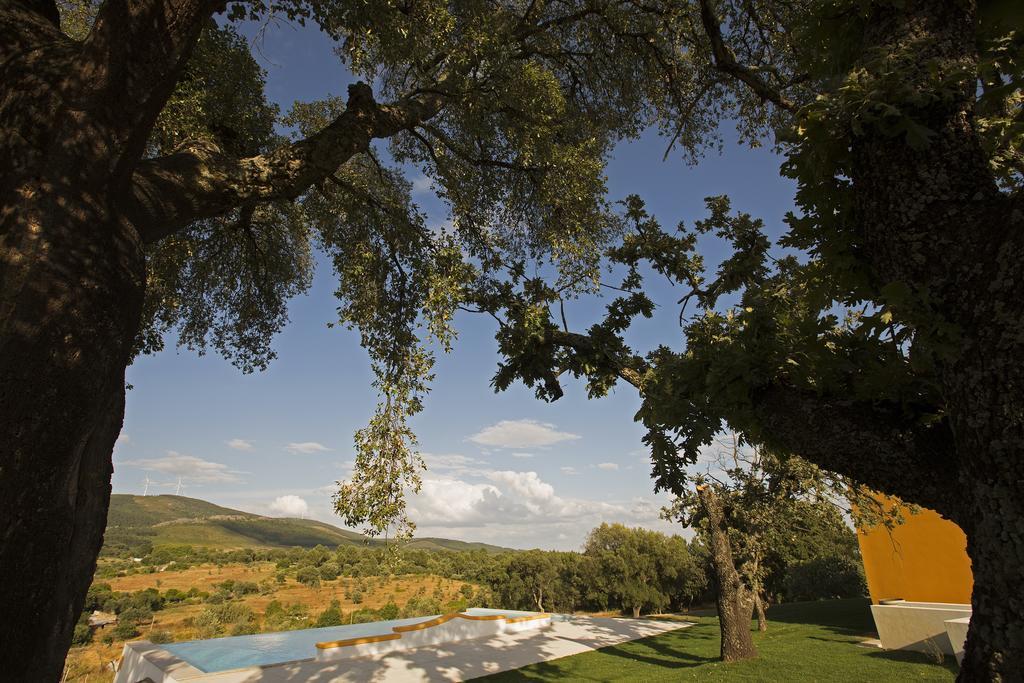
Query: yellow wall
point(922, 560)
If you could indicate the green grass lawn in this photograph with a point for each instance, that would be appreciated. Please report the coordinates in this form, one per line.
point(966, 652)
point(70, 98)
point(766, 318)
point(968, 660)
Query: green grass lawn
point(809, 641)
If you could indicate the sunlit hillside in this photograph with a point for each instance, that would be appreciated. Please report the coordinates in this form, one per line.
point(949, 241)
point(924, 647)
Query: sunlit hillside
point(138, 521)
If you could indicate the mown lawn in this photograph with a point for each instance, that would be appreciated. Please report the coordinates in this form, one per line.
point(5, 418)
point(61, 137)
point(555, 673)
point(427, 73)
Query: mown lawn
point(810, 641)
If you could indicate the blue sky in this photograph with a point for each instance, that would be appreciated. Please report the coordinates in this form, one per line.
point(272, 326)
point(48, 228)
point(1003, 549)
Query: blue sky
point(503, 468)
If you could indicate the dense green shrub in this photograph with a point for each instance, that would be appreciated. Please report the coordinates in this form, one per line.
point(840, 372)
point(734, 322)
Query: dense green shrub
point(331, 616)
point(135, 615)
point(160, 637)
point(217, 619)
point(309, 576)
point(363, 616)
point(420, 606)
point(389, 611)
point(125, 630)
point(82, 634)
point(278, 617)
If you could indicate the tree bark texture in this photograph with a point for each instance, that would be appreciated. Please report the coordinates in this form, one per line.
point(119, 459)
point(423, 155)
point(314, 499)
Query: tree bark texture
point(734, 601)
point(762, 619)
point(71, 290)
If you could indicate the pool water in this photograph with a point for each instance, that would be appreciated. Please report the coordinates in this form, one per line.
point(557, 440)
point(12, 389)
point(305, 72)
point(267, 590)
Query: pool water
point(237, 652)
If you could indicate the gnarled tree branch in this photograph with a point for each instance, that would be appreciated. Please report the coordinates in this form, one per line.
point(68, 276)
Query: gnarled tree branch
point(871, 443)
point(201, 181)
point(130, 64)
point(725, 61)
point(629, 368)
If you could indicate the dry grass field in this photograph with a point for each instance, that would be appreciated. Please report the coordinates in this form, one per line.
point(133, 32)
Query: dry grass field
point(91, 662)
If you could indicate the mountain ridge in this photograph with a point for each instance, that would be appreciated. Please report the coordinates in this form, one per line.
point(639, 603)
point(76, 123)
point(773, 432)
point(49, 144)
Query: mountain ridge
point(179, 520)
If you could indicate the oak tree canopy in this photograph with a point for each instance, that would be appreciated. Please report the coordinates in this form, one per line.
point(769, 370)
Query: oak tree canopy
point(146, 187)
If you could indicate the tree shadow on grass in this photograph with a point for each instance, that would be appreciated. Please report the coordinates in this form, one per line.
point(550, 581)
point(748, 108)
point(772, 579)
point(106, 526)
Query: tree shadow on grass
point(850, 617)
point(907, 657)
point(664, 655)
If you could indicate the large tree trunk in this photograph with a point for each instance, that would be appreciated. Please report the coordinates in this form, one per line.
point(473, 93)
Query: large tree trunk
point(72, 280)
point(71, 290)
point(995, 638)
point(734, 600)
point(933, 219)
point(989, 424)
point(71, 286)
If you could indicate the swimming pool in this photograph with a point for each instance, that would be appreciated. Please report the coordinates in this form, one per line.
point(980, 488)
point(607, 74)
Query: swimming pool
point(238, 652)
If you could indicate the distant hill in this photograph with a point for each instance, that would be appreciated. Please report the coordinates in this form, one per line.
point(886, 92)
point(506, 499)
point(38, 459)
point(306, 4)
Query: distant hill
point(170, 519)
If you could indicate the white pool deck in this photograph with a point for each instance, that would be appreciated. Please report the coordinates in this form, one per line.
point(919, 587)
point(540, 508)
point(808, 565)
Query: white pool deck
point(455, 661)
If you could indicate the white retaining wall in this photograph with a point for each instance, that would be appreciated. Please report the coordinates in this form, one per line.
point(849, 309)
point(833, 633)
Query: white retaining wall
point(918, 626)
point(144, 661)
point(956, 629)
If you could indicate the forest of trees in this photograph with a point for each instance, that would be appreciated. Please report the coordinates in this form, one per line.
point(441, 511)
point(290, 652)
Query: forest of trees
point(633, 571)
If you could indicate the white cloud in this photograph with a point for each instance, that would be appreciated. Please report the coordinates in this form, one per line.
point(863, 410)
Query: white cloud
point(454, 502)
point(189, 468)
point(306, 447)
point(507, 497)
point(240, 444)
point(521, 434)
point(522, 455)
point(527, 484)
point(123, 439)
point(289, 506)
point(569, 470)
point(325, 490)
point(455, 464)
point(611, 466)
point(522, 510)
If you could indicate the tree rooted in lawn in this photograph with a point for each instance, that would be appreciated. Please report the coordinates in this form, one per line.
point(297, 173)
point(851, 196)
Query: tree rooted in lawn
point(883, 341)
point(734, 599)
point(749, 507)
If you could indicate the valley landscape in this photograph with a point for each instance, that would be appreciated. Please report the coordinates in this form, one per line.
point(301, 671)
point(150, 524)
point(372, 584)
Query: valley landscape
point(177, 568)
point(185, 569)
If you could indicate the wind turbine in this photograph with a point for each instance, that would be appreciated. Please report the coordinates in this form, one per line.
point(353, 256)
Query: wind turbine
point(177, 492)
point(145, 491)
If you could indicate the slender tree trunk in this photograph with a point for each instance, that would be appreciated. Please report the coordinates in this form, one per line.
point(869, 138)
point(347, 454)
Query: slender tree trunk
point(636, 611)
point(71, 288)
point(734, 601)
point(762, 620)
